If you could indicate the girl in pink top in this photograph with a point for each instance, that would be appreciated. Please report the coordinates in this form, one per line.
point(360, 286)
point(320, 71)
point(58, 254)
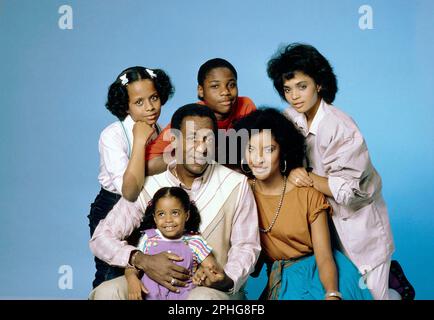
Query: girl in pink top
point(135, 98)
point(338, 162)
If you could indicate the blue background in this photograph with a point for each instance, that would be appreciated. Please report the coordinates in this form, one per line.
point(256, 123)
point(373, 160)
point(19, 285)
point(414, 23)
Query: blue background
point(54, 84)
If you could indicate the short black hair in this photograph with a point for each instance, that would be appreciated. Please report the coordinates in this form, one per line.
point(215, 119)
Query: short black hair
point(305, 58)
point(211, 65)
point(191, 110)
point(117, 97)
point(289, 138)
point(192, 224)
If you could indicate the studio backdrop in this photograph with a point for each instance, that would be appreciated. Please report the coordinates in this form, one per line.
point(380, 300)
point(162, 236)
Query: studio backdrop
point(58, 58)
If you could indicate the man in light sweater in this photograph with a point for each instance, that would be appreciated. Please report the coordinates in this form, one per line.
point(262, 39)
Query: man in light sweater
point(226, 204)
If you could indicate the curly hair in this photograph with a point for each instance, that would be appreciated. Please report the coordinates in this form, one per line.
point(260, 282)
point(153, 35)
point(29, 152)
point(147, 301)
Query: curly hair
point(192, 224)
point(305, 58)
point(117, 98)
point(287, 136)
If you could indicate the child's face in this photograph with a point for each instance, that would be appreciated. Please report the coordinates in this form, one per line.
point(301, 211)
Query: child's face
point(301, 92)
point(170, 217)
point(144, 102)
point(219, 91)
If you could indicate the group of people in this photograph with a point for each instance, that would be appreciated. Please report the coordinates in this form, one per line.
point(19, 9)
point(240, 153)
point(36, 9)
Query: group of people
point(303, 198)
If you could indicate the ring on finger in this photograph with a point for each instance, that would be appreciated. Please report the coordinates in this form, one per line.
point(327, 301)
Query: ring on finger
point(297, 180)
point(173, 281)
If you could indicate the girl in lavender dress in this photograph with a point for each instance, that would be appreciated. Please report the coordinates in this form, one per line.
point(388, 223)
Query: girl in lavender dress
point(171, 224)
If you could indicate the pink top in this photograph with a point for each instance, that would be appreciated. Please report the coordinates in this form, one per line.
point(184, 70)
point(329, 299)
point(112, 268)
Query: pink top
point(337, 150)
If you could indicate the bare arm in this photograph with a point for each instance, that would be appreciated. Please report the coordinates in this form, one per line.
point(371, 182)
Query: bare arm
point(134, 175)
point(321, 184)
point(323, 254)
point(130, 272)
point(135, 285)
point(155, 166)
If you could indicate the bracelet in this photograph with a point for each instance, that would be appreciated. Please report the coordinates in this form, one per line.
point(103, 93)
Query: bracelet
point(230, 291)
point(336, 294)
point(133, 258)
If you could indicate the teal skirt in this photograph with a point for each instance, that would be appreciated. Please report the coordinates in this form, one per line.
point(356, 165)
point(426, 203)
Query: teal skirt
point(299, 280)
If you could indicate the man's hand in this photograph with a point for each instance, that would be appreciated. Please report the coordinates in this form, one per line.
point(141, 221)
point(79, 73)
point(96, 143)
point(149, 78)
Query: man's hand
point(162, 269)
point(216, 278)
point(199, 276)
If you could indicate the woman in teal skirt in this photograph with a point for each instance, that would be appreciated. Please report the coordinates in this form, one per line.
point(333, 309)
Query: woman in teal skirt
point(300, 280)
point(295, 237)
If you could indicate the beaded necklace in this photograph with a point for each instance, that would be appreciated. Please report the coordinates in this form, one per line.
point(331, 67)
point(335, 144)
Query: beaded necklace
point(278, 207)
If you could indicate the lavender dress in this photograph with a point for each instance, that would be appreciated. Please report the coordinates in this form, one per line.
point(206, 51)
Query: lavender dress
point(178, 247)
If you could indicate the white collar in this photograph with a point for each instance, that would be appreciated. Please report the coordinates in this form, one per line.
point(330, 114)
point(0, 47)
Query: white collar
point(128, 124)
point(301, 121)
point(320, 113)
point(167, 239)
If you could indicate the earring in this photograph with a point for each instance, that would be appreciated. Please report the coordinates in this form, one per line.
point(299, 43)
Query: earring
point(284, 170)
point(242, 167)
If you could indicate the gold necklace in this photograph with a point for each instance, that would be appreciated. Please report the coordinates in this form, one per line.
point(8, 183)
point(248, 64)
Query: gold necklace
point(278, 207)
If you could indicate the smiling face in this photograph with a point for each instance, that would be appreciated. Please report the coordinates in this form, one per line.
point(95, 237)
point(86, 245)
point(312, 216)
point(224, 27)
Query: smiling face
point(170, 217)
point(263, 155)
point(144, 102)
point(219, 91)
point(301, 92)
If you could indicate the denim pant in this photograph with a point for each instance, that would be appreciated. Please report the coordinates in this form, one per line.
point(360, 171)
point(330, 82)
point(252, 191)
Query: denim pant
point(99, 209)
